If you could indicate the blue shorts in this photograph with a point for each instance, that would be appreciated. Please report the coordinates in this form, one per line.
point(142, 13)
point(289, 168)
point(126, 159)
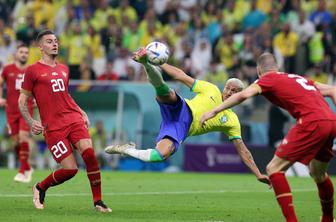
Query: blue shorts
point(176, 121)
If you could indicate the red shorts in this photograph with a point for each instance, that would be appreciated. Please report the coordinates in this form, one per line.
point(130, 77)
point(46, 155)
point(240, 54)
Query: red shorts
point(59, 141)
point(15, 123)
point(308, 141)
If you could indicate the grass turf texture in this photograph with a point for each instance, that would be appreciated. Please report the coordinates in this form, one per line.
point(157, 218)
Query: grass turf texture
point(157, 197)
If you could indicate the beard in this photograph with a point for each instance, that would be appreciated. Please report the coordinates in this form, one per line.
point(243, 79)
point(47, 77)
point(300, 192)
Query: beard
point(23, 62)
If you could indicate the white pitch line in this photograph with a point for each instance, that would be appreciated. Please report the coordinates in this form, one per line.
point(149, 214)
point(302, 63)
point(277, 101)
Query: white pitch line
point(153, 193)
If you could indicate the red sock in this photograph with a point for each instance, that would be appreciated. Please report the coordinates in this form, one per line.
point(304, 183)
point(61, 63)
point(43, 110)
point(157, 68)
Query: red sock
point(284, 196)
point(57, 177)
point(93, 173)
point(24, 156)
point(326, 193)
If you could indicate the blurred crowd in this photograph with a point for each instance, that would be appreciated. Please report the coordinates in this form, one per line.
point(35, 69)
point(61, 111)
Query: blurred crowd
point(210, 40)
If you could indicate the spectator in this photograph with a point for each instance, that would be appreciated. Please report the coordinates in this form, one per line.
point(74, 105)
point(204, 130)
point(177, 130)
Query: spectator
point(286, 41)
point(254, 18)
point(315, 46)
point(197, 30)
point(101, 15)
point(131, 37)
point(7, 51)
point(201, 52)
point(108, 73)
point(305, 29)
point(227, 52)
point(321, 16)
point(78, 50)
point(318, 75)
point(125, 9)
point(216, 74)
point(97, 50)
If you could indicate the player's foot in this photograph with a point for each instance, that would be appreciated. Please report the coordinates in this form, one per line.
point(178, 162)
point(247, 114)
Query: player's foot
point(140, 55)
point(119, 148)
point(38, 197)
point(28, 175)
point(101, 207)
point(19, 177)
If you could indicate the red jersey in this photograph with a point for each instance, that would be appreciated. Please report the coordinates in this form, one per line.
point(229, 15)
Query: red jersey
point(49, 86)
point(297, 95)
point(13, 77)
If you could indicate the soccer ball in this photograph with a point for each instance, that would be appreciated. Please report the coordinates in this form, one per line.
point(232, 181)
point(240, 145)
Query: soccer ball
point(157, 53)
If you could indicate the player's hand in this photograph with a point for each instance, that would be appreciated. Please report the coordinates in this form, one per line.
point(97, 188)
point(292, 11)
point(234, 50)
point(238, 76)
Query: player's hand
point(264, 179)
point(206, 116)
point(36, 127)
point(86, 120)
point(2, 102)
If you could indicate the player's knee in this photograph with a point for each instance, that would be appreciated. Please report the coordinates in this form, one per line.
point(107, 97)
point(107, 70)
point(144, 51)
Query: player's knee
point(270, 168)
point(84, 144)
point(318, 177)
point(165, 152)
point(23, 138)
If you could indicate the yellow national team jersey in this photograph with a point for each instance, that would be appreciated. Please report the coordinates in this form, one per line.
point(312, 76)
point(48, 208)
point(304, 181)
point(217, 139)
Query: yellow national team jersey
point(208, 97)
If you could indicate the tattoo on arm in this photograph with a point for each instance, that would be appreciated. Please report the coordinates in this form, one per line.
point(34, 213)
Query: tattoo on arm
point(247, 156)
point(24, 110)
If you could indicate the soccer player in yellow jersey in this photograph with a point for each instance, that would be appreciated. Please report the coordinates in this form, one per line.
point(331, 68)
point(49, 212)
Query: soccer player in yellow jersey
point(181, 117)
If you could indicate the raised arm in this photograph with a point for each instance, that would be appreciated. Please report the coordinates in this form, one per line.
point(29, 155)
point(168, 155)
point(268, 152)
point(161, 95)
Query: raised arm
point(178, 74)
point(2, 100)
point(327, 90)
point(35, 126)
point(247, 158)
point(235, 99)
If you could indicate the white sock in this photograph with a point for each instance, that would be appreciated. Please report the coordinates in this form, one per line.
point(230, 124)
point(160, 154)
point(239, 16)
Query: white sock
point(143, 155)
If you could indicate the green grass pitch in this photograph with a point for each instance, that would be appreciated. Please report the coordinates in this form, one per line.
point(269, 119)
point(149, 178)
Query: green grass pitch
point(157, 197)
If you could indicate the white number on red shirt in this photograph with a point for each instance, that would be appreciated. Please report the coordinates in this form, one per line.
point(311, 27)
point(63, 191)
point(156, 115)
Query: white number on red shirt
point(302, 81)
point(57, 85)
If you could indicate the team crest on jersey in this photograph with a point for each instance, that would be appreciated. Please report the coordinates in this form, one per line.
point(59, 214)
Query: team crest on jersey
point(54, 73)
point(223, 119)
point(64, 74)
point(44, 74)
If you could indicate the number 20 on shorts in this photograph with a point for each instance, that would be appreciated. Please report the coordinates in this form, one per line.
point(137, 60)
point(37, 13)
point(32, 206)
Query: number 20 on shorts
point(59, 149)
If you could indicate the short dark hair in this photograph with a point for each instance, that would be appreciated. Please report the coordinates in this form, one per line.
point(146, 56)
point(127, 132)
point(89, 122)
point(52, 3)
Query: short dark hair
point(43, 33)
point(21, 45)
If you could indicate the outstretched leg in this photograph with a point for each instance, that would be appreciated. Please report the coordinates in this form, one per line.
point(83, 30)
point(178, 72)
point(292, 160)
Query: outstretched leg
point(318, 171)
point(164, 149)
point(276, 171)
point(163, 92)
